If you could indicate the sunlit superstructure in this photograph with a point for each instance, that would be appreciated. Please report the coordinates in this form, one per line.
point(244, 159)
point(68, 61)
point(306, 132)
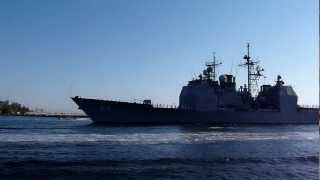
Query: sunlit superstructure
point(207, 100)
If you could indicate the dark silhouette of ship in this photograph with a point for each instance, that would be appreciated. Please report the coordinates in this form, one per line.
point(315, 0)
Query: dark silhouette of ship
point(206, 100)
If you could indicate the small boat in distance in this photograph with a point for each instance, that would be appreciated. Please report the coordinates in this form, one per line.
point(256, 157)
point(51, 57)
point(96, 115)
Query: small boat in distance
point(206, 100)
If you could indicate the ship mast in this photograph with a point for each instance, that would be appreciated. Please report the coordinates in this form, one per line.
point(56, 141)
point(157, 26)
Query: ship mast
point(249, 64)
point(214, 65)
point(253, 74)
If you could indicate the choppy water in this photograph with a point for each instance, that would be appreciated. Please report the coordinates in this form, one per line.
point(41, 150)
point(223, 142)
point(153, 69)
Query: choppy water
point(50, 148)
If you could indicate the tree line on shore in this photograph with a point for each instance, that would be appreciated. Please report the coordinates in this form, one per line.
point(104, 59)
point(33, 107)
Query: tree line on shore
point(13, 108)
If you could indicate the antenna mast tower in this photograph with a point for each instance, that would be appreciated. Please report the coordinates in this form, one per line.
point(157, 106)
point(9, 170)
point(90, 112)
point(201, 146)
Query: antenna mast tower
point(254, 72)
point(211, 66)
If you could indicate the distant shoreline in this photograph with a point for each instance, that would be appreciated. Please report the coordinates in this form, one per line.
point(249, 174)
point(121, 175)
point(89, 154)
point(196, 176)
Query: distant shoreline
point(47, 115)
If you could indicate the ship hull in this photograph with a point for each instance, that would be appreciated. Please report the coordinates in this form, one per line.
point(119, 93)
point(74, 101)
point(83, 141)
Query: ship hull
point(112, 112)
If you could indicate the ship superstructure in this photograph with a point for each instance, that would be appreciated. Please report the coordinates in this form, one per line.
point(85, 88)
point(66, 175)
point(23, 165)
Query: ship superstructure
point(207, 100)
point(208, 94)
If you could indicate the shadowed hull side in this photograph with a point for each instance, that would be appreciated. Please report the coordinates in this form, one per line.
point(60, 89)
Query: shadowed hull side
point(111, 112)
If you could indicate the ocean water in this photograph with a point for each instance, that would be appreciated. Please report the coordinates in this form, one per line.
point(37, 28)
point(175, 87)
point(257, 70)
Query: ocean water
point(51, 148)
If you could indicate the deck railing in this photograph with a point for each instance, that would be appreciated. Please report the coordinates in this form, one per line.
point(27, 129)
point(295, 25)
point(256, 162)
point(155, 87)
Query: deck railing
point(304, 106)
point(165, 106)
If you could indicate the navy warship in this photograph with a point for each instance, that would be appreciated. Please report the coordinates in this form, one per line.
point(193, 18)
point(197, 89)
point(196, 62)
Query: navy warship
point(206, 100)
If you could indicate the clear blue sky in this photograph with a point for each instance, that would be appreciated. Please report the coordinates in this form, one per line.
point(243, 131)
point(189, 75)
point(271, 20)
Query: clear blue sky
point(125, 49)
